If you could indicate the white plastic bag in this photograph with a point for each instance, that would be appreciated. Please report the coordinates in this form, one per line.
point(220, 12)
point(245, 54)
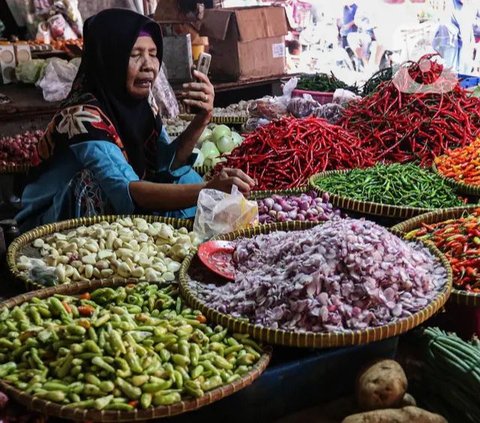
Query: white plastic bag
point(342, 97)
point(57, 80)
point(220, 213)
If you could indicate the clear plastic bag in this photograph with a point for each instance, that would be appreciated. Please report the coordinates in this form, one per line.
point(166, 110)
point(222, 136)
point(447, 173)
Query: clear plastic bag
point(273, 107)
point(220, 213)
point(164, 96)
point(57, 80)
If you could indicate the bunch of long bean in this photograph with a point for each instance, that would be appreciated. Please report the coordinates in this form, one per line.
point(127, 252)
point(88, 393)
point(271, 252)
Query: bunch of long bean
point(118, 349)
point(396, 184)
point(451, 375)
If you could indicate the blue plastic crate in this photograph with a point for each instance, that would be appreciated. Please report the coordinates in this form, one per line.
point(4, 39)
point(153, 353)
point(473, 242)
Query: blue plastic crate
point(468, 81)
point(296, 379)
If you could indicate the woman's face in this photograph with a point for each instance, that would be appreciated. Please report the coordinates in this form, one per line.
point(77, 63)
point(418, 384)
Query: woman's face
point(143, 67)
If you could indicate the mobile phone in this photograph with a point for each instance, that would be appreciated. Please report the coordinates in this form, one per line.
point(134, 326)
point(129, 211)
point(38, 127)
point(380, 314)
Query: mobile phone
point(203, 64)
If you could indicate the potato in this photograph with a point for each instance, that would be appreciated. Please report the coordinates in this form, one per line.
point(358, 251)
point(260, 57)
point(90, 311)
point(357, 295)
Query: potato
point(396, 415)
point(382, 385)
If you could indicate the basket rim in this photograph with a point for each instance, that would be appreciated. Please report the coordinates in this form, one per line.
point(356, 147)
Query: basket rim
point(460, 187)
point(14, 168)
point(261, 194)
point(458, 296)
point(20, 242)
point(219, 119)
point(367, 207)
point(53, 409)
point(311, 339)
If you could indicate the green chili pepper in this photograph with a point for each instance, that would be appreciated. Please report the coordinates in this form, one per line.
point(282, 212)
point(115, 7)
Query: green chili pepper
point(132, 392)
point(166, 399)
point(396, 184)
point(98, 361)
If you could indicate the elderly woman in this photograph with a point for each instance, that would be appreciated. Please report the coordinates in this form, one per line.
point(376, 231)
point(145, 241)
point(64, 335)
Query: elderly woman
point(106, 151)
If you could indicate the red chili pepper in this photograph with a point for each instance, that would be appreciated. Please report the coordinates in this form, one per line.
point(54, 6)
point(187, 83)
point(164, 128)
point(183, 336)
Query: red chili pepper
point(294, 150)
point(458, 240)
point(404, 127)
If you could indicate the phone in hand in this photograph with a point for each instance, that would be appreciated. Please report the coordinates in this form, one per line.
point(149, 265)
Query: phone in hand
point(203, 64)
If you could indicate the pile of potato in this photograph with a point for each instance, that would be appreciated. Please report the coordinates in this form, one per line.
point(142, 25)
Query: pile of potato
point(127, 248)
point(381, 391)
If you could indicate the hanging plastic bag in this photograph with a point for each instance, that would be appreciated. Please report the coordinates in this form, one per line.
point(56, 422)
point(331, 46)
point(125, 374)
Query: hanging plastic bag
point(164, 95)
point(220, 213)
point(57, 80)
point(273, 107)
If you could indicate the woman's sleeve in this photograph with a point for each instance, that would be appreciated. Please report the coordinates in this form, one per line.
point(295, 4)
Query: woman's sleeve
point(110, 169)
point(167, 151)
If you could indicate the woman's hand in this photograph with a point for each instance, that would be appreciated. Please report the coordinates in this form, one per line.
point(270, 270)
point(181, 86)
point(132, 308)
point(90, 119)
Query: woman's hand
point(200, 94)
point(229, 177)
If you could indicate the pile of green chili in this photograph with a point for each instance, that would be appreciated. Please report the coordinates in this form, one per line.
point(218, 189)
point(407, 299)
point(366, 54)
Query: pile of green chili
point(323, 82)
point(395, 184)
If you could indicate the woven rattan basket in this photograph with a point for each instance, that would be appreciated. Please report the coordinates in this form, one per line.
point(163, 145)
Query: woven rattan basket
point(9, 169)
point(220, 119)
point(458, 296)
point(54, 409)
point(16, 247)
point(202, 170)
point(366, 207)
point(310, 339)
point(259, 195)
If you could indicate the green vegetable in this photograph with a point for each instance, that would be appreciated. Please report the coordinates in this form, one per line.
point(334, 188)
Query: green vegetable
point(141, 343)
point(324, 83)
point(396, 184)
point(375, 80)
point(219, 132)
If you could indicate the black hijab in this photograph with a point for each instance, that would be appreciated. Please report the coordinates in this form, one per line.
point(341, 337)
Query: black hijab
point(99, 99)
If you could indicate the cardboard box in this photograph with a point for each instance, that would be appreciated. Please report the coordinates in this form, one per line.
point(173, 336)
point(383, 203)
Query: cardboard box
point(7, 62)
point(247, 42)
point(177, 56)
point(22, 52)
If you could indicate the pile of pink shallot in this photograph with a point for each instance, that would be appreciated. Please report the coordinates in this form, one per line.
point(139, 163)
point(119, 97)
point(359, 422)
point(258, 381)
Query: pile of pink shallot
point(303, 207)
point(342, 275)
point(19, 149)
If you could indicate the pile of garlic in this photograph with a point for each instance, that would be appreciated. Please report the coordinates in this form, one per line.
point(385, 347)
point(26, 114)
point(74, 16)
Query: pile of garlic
point(127, 248)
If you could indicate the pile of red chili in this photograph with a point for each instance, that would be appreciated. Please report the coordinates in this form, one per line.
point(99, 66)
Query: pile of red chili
point(286, 152)
point(417, 126)
point(459, 240)
point(461, 164)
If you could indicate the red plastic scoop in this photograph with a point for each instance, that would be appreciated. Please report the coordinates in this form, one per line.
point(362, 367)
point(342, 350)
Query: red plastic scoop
point(217, 256)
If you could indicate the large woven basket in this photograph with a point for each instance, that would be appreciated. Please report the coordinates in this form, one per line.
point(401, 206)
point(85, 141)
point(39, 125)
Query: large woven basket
point(9, 169)
point(202, 170)
point(220, 119)
point(309, 339)
point(458, 296)
point(16, 247)
point(53, 409)
point(459, 187)
point(366, 207)
point(259, 195)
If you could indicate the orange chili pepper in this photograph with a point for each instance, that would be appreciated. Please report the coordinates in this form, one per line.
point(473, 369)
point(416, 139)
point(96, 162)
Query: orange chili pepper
point(86, 310)
point(67, 307)
point(201, 318)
